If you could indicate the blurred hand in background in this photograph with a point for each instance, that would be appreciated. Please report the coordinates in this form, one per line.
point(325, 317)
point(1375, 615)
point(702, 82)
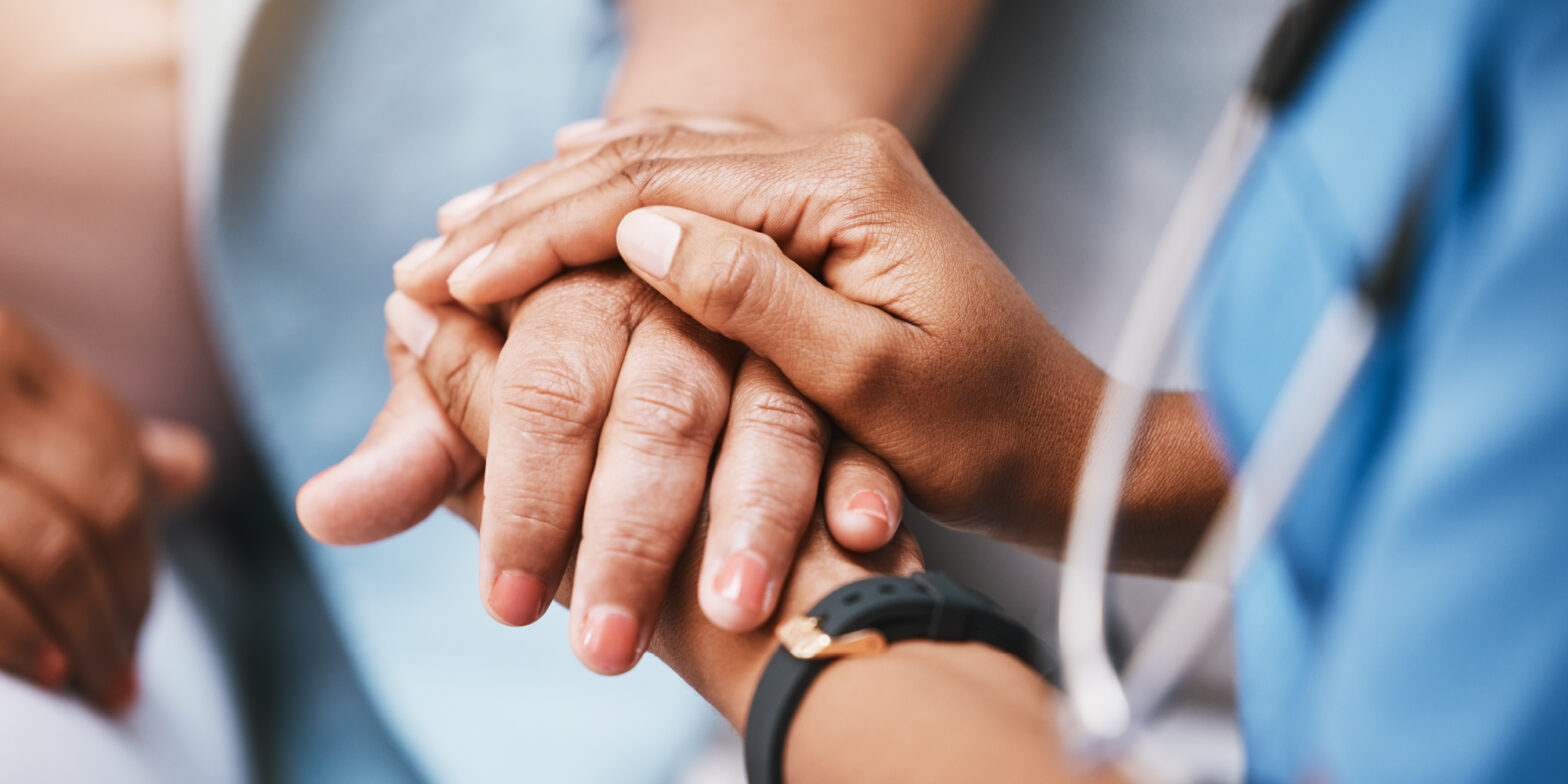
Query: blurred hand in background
point(81, 485)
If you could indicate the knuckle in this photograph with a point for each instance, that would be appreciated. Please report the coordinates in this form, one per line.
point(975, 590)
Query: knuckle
point(782, 417)
point(871, 157)
point(872, 140)
point(524, 513)
point(736, 284)
point(670, 416)
point(457, 384)
point(645, 547)
point(772, 512)
point(638, 146)
point(643, 177)
point(549, 402)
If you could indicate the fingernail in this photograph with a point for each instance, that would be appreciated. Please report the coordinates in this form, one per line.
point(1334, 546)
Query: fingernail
point(417, 255)
point(611, 639)
point(648, 240)
point(577, 132)
point(517, 599)
point(53, 669)
point(462, 207)
point(743, 582)
point(870, 505)
point(414, 324)
point(466, 269)
point(123, 691)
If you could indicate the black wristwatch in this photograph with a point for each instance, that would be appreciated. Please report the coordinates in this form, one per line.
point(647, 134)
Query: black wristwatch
point(861, 619)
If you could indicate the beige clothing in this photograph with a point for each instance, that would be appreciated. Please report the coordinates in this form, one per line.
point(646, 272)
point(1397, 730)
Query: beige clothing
point(92, 240)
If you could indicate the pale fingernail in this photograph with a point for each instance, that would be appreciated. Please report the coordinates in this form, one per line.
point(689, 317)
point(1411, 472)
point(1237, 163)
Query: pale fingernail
point(871, 507)
point(419, 254)
point(465, 270)
point(464, 206)
point(577, 132)
point(648, 241)
point(414, 324)
point(743, 582)
point(611, 639)
point(517, 599)
point(52, 670)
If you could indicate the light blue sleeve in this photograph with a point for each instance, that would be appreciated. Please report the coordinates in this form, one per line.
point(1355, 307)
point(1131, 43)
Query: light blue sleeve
point(1444, 651)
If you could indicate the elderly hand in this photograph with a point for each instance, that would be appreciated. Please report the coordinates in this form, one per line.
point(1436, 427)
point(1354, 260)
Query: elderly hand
point(78, 481)
point(835, 257)
point(610, 409)
point(461, 362)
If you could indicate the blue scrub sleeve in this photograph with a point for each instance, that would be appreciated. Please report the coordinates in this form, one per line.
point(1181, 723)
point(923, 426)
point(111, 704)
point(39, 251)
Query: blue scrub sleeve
point(1444, 651)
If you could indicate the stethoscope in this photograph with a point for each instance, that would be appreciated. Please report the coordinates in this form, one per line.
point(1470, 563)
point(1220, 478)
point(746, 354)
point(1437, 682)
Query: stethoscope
point(1103, 712)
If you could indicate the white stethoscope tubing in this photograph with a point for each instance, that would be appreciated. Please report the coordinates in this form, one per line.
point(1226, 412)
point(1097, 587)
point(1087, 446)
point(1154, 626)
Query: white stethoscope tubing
point(1096, 702)
point(1102, 710)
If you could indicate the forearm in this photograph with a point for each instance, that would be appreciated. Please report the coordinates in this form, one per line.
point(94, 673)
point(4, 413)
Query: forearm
point(922, 711)
point(1175, 479)
point(797, 65)
point(927, 711)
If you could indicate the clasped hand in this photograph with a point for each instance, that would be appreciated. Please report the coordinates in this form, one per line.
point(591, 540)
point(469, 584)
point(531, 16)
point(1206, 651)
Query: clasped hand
point(758, 264)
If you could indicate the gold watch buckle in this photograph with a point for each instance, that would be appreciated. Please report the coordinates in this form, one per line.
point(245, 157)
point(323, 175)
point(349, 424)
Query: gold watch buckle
point(804, 639)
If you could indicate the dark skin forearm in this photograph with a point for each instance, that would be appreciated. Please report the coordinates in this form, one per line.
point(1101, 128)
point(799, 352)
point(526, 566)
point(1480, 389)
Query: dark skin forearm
point(930, 712)
point(1175, 480)
point(795, 65)
point(921, 712)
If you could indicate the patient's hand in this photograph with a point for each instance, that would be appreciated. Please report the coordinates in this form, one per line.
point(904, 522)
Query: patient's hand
point(606, 413)
point(836, 257)
point(79, 479)
point(463, 358)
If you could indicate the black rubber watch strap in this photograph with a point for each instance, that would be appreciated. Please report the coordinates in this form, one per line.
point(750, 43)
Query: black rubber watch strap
point(925, 606)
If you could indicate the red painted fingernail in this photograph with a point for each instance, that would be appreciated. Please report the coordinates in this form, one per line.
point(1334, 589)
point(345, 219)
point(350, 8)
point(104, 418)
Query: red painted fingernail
point(123, 691)
point(517, 599)
point(870, 505)
point(743, 582)
point(53, 669)
point(611, 639)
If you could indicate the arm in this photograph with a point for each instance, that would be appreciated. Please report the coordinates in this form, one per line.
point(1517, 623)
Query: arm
point(922, 712)
point(796, 65)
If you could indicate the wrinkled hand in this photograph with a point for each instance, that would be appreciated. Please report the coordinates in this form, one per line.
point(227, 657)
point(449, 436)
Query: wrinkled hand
point(835, 257)
point(79, 480)
point(613, 412)
point(461, 362)
point(608, 407)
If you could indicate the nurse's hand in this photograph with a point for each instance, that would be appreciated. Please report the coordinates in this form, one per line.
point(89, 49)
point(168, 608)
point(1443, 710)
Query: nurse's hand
point(835, 257)
point(920, 344)
point(79, 481)
point(609, 408)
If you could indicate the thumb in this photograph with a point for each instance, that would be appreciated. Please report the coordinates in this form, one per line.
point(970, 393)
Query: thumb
point(737, 282)
point(178, 458)
point(412, 459)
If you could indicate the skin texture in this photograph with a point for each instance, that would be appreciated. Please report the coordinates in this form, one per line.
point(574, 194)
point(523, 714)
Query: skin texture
point(613, 416)
point(835, 257)
point(80, 482)
point(921, 712)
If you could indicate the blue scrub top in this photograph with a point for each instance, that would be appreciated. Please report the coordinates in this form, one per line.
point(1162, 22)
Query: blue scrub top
point(1408, 620)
